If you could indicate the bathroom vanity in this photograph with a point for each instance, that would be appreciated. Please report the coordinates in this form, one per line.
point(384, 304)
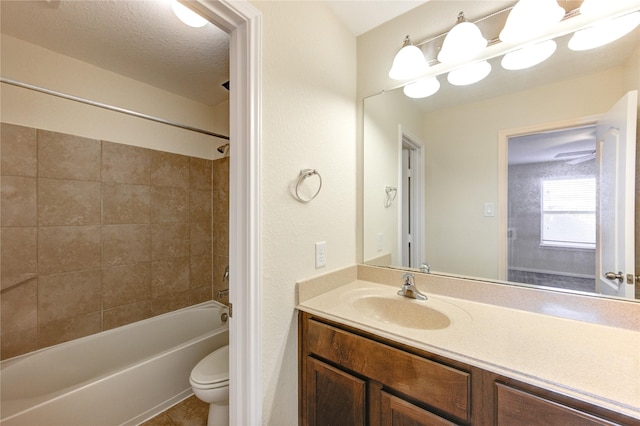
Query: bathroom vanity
point(368, 356)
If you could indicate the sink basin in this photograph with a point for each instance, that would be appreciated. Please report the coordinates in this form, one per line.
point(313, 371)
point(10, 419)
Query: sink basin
point(404, 312)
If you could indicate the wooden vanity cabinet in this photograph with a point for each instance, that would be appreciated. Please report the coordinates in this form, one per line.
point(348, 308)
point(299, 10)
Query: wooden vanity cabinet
point(350, 377)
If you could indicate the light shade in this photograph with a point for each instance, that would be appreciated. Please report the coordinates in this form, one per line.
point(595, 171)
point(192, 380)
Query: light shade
point(469, 74)
point(408, 63)
point(529, 56)
point(422, 88)
point(463, 42)
point(596, 8)
point(530, 19)
point(187, 15)
point(604, 32)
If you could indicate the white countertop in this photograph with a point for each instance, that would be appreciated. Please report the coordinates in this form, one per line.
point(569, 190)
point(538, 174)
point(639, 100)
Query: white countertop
point(595, 363)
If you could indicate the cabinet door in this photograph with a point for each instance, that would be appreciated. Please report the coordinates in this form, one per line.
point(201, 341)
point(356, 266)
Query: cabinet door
point(395, 411)
point(516, 407)
point(334, 397)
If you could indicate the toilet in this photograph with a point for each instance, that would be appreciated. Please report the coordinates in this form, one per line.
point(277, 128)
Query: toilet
point(210, 382)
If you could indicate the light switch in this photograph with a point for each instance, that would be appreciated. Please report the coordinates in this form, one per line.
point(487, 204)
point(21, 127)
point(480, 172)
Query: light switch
point(489, 209)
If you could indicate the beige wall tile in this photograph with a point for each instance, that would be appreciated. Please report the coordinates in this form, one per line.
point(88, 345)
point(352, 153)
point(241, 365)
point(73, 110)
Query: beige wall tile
point(201, 239)
point(169, 205)
point(68, 248)
point(63, 330)
point(202, 271)
point(221, 239)
point(200, 174)
point(169, 169)
point(125, 164)
point(169, 276)
point(18, 200)
point(125, 244)
point(68, 295)
point(68, 202)
point(126, 314)
point(126, 204)
point(200, 206)
point(169, 240)
point(123, 285)
point(199, 295)
point(170, 302)
point(17, 150)
point(64, 156)
point(19, 308)
point(18, 255)
point(22, 342)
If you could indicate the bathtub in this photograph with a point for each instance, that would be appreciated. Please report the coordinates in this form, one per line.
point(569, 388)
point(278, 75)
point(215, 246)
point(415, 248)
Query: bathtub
point(122, 376)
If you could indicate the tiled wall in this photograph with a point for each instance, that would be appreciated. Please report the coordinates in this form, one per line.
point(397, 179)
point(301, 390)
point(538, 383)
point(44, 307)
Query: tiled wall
point(95, 235)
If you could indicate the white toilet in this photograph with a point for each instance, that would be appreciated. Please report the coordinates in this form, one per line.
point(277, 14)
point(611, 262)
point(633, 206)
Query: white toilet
point(210, 382)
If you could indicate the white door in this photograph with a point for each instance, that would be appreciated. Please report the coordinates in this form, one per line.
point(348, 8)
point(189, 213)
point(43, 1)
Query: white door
point(406, 208)
point(615, 239)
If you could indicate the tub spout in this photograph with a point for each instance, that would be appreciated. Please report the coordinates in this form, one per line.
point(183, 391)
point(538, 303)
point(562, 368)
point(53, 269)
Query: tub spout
point(224, 292)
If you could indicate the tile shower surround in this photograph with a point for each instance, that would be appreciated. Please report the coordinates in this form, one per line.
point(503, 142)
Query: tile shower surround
point(95, 235)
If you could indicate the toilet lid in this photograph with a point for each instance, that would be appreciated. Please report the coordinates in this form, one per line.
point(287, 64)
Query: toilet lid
point(213, 368)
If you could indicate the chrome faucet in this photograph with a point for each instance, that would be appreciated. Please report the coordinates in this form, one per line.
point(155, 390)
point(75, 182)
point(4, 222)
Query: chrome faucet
point(409, 288)
point(425, 268)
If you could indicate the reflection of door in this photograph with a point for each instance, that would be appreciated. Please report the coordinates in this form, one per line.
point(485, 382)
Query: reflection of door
point(412, 202)
point(616, 142)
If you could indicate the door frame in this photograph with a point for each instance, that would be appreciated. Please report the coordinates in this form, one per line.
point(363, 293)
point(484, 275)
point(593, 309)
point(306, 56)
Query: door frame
point(243, 22)
point(407, 139)
point(503, 170)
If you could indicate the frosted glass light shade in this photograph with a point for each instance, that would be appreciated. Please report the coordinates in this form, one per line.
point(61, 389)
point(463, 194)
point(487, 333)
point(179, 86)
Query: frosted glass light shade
point(187, 15)
point(463, 43)
point(422, 88)
point(529, 56)
point(530, 19)
point(408, 63)
point(604, 32)
point(469, 74)
point(595, 8)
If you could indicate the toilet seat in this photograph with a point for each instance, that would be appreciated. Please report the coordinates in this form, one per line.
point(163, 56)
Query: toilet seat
point(213, 370)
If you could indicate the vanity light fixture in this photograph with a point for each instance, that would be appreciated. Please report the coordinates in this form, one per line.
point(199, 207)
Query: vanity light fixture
point(604, 32)
point(422, 88)
point(464, 42)
point(408, 63)
point(529, 56)
point(531, 18)
point(187, 15)
point(469, 74)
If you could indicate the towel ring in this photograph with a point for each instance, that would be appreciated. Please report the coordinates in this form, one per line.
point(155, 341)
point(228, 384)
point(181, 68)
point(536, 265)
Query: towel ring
point(305, 173)
point(391, 192)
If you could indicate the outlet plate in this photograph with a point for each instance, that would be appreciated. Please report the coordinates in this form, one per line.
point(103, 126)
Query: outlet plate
point(321, 254)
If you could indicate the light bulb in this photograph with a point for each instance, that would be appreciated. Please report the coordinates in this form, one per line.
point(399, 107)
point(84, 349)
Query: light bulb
point(463, 43)
point(408, 63)
point(604, 32)
point(469, 74)
point(187, 15)
point(422, 88)
point(529, 56)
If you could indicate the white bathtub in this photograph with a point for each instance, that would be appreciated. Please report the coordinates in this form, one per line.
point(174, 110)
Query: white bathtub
point(122, 376)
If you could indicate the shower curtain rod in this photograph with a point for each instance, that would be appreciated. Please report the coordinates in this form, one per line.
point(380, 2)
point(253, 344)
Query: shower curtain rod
point(107, 107)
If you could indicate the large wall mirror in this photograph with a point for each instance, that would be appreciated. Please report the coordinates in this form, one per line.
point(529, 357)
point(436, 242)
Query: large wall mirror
point(462, 182)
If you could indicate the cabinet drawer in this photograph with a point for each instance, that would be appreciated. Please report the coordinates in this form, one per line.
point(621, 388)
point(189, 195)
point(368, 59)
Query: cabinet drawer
point(516, 407)
point(436, 385)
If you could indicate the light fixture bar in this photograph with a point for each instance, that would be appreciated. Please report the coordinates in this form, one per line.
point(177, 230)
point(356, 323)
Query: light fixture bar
point(572, 22)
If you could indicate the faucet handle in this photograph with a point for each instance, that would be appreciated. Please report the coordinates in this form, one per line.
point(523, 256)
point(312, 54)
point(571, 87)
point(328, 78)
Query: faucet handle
point(408, 278)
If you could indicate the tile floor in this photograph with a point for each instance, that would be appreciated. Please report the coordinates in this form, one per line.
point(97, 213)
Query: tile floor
point(190, 412)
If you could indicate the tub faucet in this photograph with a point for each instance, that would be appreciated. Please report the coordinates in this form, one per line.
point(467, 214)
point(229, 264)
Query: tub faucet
point(409, 288)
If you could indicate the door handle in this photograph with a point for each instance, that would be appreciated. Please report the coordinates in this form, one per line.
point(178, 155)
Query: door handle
point(613, 276)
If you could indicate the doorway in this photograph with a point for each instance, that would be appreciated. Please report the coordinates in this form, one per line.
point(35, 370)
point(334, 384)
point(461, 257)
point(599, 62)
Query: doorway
point(551, 222)
point(411, 178)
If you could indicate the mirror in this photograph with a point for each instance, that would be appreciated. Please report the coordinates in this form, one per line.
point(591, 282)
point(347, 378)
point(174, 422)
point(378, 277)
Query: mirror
point(454, 204)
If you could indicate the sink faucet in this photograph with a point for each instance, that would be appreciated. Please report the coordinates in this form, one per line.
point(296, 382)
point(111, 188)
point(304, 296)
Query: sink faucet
point(409, 288)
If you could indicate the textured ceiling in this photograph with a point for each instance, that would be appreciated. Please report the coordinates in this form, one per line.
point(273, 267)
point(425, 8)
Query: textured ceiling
point(140, 39)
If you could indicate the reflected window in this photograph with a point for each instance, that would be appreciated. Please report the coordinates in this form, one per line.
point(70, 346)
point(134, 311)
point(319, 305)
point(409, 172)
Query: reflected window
point(569, 213)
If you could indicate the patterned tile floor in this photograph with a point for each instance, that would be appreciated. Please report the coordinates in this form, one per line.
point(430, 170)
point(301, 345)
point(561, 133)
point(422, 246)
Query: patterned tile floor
point(190, 412)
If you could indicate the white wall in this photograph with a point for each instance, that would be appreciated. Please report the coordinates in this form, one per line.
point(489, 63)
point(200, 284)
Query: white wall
point(309, 121)
point(32, 64)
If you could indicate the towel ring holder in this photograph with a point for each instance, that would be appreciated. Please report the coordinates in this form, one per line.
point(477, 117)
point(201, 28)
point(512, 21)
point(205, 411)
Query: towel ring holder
point(304, 174)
